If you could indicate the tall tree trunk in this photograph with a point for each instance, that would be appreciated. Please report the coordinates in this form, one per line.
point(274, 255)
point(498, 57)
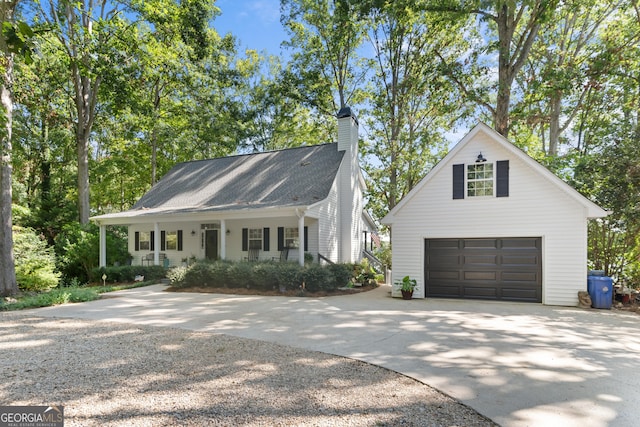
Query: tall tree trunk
point(555, 108)
point(8, 284)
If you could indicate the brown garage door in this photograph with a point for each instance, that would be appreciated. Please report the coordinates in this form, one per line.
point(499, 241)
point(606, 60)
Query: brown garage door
point(507, 269)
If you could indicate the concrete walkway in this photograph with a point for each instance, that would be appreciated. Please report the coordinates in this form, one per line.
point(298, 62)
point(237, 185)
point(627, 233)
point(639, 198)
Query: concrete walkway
point(518, 364)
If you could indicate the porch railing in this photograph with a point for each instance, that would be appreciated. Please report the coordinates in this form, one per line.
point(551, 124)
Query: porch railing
point(325, 259)
point(377, 265)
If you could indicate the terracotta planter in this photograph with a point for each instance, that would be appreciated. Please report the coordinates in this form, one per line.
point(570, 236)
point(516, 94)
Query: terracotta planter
point(406, 294)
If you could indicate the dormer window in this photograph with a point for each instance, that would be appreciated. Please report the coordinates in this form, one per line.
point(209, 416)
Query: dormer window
point(480, 179)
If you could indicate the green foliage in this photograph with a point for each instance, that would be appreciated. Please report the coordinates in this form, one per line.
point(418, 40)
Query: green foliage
point(78, 248)
point(35, 261)
point(176, 276)
point(383, 253)
point(342, 274)
point(406, 284)
point(261, 275)
point(53, 297)
point(64, 295)
point(318, 278)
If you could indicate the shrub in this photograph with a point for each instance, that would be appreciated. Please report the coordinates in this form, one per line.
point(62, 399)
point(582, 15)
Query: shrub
point(177, 276)
point(261, 275)
point(35, 266)
point(288, 275)
point(240, 275)
point(265, 275)
point(342, 274)
point(318, 278)
point(53, 297)
point(78, 247)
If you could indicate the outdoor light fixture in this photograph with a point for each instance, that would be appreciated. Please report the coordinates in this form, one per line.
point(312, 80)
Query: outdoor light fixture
point(480, 158)
point(228, 231)
point(193, 232)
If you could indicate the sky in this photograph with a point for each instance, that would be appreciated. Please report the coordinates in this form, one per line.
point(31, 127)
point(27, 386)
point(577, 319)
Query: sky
point(254, 23)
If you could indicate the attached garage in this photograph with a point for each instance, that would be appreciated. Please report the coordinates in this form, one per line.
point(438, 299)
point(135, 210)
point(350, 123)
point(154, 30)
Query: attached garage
point(490, 223)
point(507, 269)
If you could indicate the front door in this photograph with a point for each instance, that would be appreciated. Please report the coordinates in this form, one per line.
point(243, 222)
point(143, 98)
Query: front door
point(211, 244)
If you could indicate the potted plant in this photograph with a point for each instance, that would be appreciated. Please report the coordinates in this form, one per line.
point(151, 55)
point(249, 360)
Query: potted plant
point(407, 285)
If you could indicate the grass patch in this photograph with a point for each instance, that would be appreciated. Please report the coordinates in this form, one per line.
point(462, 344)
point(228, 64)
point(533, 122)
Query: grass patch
point(65, 295)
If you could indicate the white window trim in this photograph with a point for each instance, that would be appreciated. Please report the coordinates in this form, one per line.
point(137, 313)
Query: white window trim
point(469, 181)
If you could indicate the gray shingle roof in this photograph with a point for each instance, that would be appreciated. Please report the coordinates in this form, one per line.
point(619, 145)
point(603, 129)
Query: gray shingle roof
point(291, 177)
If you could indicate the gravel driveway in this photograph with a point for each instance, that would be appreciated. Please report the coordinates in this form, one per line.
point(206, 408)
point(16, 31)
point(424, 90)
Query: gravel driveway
point(113, 374)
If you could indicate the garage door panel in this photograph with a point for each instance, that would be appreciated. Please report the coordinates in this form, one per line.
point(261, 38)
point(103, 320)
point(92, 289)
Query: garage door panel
point(521, 243)
point(480, 292)
point(516, 294)
point(446, 291)
point(481, 260)
point(519, 260)
point(516, 276)
point(480, 275)
point(445, 260)
point(444, 275)
point(487, 268)
point(479, 243)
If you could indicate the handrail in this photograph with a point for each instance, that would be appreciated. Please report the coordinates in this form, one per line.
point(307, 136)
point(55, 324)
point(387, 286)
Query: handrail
point(377, 265)
point(324, 258)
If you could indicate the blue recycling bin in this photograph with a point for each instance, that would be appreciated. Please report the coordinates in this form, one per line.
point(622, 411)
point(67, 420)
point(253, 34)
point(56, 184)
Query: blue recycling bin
point(600, 290)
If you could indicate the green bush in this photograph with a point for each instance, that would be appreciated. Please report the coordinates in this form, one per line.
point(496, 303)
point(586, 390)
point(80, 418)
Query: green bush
point(318, 278)
point(177, 276)
point(240, 275)
point(53, 297)
point(261, 275)
point(288, 275)
point(35, 261)
point(78, 249)
point(342, 274)
point(265, 275)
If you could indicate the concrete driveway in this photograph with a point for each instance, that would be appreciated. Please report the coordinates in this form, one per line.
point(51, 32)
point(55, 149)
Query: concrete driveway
point(518, 364)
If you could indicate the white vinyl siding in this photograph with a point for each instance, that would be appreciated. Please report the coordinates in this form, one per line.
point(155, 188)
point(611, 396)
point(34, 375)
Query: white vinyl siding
point(328, 225)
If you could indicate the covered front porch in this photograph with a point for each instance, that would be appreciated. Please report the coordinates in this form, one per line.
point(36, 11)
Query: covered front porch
point(173, 240)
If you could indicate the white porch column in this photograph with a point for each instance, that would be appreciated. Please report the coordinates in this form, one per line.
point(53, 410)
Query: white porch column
point(223, 239)
point(103, 245)
point(156, 243)
point(301, 239)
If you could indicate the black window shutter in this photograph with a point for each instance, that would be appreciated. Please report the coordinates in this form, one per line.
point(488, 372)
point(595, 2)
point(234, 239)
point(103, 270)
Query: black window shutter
point(137, 241)
point(458, 181)
point(179, 240)
point(280, 238)
point(502, 178)
point(245, 239)
point(265, 239)
point(152, 244)
point(163, 236)
point(306, 238)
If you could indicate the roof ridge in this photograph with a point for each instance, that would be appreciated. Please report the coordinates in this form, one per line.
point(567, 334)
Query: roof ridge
point(231, 156)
